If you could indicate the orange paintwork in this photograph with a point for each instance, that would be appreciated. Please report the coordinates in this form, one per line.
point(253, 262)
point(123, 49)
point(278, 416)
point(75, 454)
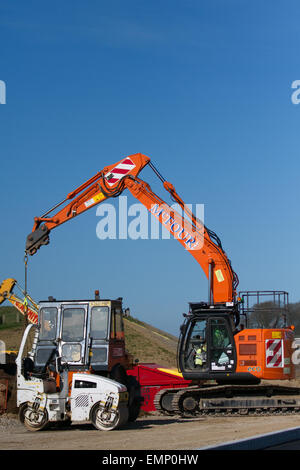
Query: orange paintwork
point(70, 378)
point(84, 193)
point(251, 353)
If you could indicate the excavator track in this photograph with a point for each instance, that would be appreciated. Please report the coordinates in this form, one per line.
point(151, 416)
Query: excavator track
point(229, 400)
point(163, 400)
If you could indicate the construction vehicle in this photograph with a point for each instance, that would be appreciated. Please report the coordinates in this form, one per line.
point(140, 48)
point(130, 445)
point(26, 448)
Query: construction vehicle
point(88, 337)
point(99, 350)
point(77, 344)
point(83, 398)
point(211, 347)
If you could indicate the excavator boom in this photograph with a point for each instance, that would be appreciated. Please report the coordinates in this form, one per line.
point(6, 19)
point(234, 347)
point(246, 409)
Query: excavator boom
point(201, 242)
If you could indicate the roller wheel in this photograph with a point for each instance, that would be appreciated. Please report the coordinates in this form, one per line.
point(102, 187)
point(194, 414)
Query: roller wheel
point(33, 420)
point(108, 420)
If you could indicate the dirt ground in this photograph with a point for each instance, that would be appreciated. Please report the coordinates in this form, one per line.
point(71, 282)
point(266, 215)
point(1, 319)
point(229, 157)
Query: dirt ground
point(147, 433)
point(12, 337)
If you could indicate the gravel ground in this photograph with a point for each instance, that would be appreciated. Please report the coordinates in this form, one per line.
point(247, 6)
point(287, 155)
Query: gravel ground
point(9, 423)
point(147, 433)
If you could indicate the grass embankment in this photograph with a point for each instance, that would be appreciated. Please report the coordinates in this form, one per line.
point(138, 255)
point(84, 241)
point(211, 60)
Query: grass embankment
point(10, 318)
point(148, 344)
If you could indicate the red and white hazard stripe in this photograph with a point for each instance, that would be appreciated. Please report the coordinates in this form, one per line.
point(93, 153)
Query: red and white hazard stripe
point(31, 314)
point(119, 171)
point(274, 353)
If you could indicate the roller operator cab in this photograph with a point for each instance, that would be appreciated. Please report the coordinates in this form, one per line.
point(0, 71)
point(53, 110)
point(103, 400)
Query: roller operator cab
point(211, 347)
point(85, 334)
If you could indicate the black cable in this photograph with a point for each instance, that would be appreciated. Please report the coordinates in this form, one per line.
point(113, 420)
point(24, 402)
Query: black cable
point(158, 174)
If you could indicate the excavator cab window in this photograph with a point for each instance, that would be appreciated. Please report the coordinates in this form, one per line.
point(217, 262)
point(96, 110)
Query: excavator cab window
point(196, 346)
point(221, 347)
point(207, 346)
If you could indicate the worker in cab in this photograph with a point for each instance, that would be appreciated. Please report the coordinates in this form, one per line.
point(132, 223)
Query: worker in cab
point(200, 354)
point(48, 329)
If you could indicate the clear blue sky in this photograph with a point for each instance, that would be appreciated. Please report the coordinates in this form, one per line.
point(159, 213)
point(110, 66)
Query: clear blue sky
point(203, 88)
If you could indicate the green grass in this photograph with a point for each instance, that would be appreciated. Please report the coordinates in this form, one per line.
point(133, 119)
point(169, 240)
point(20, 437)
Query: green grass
point(10, 314)
point(134, 320)
point(141, 346)
point(10, 326)
point(138, 322)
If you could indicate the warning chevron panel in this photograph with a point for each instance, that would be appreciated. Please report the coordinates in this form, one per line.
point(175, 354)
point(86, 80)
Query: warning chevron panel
point(119, 171)
point(274, 353)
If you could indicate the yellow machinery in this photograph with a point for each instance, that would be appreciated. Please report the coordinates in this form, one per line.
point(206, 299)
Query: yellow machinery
point(27, 306)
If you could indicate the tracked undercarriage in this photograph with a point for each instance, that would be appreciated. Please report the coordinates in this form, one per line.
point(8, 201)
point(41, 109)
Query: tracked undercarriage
point(229, 400)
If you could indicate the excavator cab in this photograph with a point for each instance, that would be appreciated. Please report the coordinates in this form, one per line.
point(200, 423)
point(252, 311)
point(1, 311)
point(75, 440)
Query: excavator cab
point(207, 349)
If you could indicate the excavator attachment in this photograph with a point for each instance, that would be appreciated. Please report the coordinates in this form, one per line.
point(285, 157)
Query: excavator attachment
point(36, 239)
point(6, 288)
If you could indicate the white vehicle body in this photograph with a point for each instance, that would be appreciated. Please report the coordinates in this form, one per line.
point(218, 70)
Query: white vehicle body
point(90, 398)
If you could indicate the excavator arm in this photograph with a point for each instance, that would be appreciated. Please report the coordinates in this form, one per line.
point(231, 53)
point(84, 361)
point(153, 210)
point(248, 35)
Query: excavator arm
point(28, 307)
point(202, 243)
point(86, 196)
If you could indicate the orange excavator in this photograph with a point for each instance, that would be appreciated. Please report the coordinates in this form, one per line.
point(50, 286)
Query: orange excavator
point(212, 345)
